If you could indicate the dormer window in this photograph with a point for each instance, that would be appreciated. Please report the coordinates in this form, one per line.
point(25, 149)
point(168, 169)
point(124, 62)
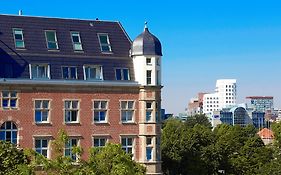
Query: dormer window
point(18, 37)
point(39, 71)
point(76, 41)
point(51, 39)
point(122, 74)
point(93, 72)
point(104, 43)
point(69, 72)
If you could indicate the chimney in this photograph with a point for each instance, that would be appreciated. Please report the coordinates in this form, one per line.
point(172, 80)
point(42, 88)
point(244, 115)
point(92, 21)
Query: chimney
point(20, 12)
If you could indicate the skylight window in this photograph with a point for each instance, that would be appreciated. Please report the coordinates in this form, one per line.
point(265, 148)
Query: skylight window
point(104, 43)
point(76, 41)
point(18, 37)
point(51, 39)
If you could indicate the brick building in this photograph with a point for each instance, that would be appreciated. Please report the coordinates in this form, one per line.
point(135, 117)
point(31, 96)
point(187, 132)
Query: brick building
point(84, 76)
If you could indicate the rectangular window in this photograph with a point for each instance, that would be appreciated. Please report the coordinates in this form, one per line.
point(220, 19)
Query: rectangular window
point(148, 61)
point(158, 61)
point(71, 110)
point(149, 110)
point(18, 37)
point(42, 111)
point(51, 39)
point(127, 144)
point(148, 77)
point(93, 72)
point(100, 111)
point(127, 111)
point(69, 72)
point(122, 74)
point(158, 77)
point(69, 145)
point(99, 141)
point(104, 43)
point(41, 147)
point(76, 41)
point(40, 71)
point(149, 148)
point(9, 99)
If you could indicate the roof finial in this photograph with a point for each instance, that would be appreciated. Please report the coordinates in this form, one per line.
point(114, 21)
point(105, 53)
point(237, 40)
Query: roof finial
point(145, 25)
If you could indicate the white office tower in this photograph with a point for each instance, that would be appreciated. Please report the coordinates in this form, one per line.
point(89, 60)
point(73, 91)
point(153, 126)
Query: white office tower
point(223, 97)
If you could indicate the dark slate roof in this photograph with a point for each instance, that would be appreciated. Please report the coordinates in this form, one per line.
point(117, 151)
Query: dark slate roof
point(36, 50)
point(146, 44)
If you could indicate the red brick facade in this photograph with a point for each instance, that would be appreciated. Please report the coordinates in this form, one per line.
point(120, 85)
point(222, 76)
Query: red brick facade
point(24, 118)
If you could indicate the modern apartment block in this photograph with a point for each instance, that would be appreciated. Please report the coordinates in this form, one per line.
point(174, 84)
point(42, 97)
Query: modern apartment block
point(224, 96)
point(260, 103)
point(84, 76)
point(195, 105)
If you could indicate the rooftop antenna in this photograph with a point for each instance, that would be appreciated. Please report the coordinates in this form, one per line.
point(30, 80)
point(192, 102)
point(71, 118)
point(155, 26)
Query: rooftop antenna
point(20, 12)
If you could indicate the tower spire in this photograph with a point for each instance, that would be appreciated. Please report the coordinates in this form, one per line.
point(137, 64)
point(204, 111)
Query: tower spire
point(145, 25)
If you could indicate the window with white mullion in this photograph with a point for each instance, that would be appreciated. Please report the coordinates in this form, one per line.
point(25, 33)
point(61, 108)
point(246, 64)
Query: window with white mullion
point(9, 99)
point(93, 72)
point(68, 150)
point(42, 111)
point(104, 43)
point(99, 141)
point(127, 144)
point(71, 111)
point(100, 111)
point(39, 71)
point(51, 40)
point(149, 148)
point(76, 41)
point(127, 111)
point(18, 37)
point(69, 72)
point(149, 111)
point(41, 146)
point(122, 74)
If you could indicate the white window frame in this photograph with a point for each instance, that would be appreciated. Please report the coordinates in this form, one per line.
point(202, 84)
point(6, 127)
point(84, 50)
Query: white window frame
point(99, 140)
point(149, 110)
point(15, 40)
point(42, 109)
point(72, 33)
point(71, 147)
point(71, 109)
point(69, 72)
point(103, 44)
point(93, 66)
point(126, 147)
point(42, 148)
point(149, 146)
point(46, 66)
point(127, 109)
point(122, 74)
point(9, 98)
point(100, 109)
point(56, 40)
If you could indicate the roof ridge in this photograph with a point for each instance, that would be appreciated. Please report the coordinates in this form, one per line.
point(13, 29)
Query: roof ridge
point(46, 17)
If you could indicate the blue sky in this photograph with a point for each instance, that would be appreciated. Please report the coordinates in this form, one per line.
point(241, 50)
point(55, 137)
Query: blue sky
point(202, 40)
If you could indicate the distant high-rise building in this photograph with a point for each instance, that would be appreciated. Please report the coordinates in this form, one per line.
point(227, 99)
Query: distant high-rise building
point(260, 103)
point(195, 105)
point(224, 96)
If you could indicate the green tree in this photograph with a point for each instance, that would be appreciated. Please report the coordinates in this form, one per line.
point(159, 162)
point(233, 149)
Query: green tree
point(201, 119)
point(112, 160)
point(12, 159)
point(182, 148)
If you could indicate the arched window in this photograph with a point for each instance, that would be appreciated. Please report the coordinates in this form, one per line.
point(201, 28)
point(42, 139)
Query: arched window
point(9, 132)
